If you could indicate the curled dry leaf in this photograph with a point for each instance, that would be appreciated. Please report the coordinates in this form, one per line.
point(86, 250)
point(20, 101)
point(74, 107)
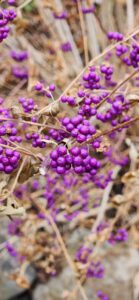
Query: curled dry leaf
point(9, 210)
point(52, 109)
point(119, 199)
point(28, 171)
point(128, 176)
point(16, 111)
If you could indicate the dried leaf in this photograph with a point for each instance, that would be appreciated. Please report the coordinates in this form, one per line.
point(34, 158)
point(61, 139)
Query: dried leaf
point(128, 176)
point(28, 171)
point(9, 210)
point(119, 199)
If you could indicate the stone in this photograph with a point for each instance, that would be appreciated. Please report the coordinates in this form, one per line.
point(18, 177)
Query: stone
point(9, 288)
point(55, 287)
point(117, 283)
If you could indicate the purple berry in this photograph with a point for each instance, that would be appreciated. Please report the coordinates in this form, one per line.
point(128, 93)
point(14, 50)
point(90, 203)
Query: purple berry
point(8, 169)
point(75, 151)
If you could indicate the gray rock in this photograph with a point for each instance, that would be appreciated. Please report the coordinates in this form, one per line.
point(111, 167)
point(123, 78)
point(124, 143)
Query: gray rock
point(55, 287)
point(117, 283)
point(9, 288)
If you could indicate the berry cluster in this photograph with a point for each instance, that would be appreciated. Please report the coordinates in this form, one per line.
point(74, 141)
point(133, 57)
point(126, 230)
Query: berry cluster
point(117, 36)
point(79, 159)
point(58, 135)
point(27, 104)
point(20, 72)
point(70, 100)
point(121, 49)
point(6, 16)
point(107, 71)
point(86, 109)
point(19, 56)
point(101, 296)
point(134, 55)
point(120, 236)
point(116, 113)
point(66, 47)
point(79, 128)
point(81, 93)
point(91, 80)
point(9, 160)
point(9, 129)
point(36, 140)
point(95, 270)
point(60, 161)
point(4, 112)
point(83, 254)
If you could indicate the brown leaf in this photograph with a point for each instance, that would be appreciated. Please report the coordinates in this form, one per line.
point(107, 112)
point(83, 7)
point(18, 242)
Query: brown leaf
point(128, 176)
point(28, 171)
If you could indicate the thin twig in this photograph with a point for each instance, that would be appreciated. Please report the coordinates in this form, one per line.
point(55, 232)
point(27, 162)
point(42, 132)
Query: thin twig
point(17, 176)
point(28, 122)
point(82, 23)
point(63, 247)
point(130, 14)
point(107, 132)
point(105, 200)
